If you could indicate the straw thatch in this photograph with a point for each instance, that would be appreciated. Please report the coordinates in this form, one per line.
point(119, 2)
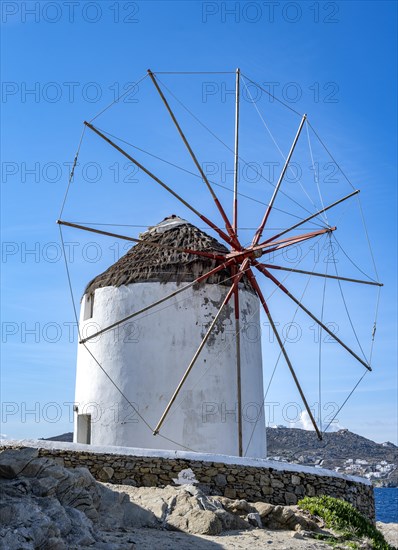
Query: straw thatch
point(147, 263)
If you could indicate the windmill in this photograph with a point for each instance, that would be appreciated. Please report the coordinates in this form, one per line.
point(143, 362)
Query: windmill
point(235, 267)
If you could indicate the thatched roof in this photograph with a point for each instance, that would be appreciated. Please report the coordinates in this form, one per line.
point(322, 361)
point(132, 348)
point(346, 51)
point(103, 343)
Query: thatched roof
point(147, 263)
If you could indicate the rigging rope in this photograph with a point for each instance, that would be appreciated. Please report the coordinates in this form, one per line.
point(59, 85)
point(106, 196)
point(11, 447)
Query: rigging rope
point(347, 398)
point(316, 175)
point(119, 98)
point(346, 309)
point(352, 261)
point(359, 201)
point(374, 326)
point(271, 95)
point(277, 146)
point(72, 172)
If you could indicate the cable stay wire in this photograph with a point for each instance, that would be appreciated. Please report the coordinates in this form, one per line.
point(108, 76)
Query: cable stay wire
point(331, 156)
point(346, 309)
point(72, 172)
point(193, 72)
point(347, 398)
point(352, 261)
point(359, 200)
point(280, 150)
point(374, 326)
point(316, 173)
point(204, 228)
point(271, 95)
point(368, 238)
point(229, 148)
point(118, 98)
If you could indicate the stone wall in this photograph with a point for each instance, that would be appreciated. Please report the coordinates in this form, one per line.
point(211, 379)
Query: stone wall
point(273, 482)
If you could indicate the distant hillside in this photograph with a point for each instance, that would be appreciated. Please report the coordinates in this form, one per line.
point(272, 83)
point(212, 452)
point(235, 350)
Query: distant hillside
point(342, 451)
point(68, 436)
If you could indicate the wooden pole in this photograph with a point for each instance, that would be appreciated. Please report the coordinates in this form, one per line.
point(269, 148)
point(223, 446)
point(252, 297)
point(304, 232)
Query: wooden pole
point(310, 217)
point(193, 156)
point(283, 243)
point(146, 242)
point(236, 159)
point(325, 275)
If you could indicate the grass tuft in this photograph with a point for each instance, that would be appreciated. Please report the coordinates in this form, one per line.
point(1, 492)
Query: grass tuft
point(343, 518)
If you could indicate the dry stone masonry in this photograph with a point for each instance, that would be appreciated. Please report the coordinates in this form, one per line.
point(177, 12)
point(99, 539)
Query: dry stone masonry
point(234, 478)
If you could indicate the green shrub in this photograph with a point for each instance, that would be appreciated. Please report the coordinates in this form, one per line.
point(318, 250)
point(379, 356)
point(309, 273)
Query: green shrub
point(344, 519)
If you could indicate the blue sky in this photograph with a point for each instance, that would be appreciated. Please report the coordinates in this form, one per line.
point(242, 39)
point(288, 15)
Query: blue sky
point(62, 64)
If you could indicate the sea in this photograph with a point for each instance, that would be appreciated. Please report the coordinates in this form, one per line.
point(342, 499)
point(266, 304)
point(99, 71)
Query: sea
point(386, 502)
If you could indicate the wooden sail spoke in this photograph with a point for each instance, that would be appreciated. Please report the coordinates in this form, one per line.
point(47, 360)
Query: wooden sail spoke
point(230, 292)
point(263, 270)
point(228, 226)
point(325, 275)
point(256, 287)
point(309, 218)
point(221, 233)
point(203, 253)
point(283, 243)
point(260, 230)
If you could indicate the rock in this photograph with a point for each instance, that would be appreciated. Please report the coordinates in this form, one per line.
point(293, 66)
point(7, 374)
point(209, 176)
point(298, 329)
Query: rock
point(13, 462)
point(43, 505)
point(240, 507)
point(106, 473)
point(199, 522)
point(231, 522)
point(229, 492)
point(254, 519)
point(285, 517)
point(264, 509)
point(220, 480)
point(390, 532)
point(277, 484)
point(290, 498)
point(297, 535)
point(149, 480)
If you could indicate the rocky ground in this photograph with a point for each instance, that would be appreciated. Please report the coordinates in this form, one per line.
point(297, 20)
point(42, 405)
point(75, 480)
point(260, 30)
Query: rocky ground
point(44, 505)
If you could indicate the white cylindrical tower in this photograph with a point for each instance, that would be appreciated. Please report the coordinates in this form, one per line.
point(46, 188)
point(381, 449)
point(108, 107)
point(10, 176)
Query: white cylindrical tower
point(137, 365)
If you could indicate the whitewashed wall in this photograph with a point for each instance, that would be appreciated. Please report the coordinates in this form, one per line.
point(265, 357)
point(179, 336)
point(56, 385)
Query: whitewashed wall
point(146, 357)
